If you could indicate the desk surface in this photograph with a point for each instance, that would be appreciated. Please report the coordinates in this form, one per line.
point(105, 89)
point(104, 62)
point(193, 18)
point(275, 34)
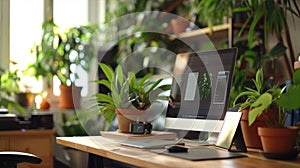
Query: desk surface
point(143, 158)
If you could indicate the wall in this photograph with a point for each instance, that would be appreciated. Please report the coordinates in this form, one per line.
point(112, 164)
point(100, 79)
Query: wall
point(4, 34)
point(294, 27)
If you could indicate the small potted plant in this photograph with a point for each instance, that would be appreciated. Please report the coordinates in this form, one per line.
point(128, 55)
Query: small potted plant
point(245, 99)
point(282, 139)
point(129, 98)
point(278, 138)
point(60, 54)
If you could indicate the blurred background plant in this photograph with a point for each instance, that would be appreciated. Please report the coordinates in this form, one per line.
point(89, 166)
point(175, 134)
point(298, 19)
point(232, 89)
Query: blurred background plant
point(9, 85)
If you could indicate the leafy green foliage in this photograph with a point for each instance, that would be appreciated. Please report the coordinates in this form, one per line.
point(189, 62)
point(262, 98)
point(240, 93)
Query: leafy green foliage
point(213, 12)
point(290, 99)
point(127, 91)
point(58, 50)
point(257, 107)
point(255, 62)
point(258, 99)
point(271, 14)
point(8, 86)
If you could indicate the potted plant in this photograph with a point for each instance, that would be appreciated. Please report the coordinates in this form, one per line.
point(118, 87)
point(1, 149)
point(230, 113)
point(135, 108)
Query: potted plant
point(129, 98)
point(282, 138)
point(245, 99)
point(8, 86)
point(60, 54)
point(278, 138)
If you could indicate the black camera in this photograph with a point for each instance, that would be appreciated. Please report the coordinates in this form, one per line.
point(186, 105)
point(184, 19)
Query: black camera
point(140, 128)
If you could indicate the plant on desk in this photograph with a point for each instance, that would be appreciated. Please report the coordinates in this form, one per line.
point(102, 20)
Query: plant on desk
point(129, 98)
point(245, 99)
point(280, 136)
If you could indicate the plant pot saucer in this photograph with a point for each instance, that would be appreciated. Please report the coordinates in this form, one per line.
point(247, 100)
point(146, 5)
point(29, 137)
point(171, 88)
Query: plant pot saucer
point(282, 156)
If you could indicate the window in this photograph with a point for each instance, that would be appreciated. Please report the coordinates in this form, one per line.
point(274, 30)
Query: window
point(66, 14)
point(26, 19)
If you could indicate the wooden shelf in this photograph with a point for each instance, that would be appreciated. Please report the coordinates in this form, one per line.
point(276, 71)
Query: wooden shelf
point(207, 30)
point(201, 37)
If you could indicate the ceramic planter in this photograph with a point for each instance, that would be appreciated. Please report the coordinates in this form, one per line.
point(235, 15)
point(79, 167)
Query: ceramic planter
point(278, 140)
point(69, 97)
point(127, 116)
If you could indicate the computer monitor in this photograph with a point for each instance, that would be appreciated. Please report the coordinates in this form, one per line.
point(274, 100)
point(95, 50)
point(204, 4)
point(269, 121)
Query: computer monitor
point(200, 90)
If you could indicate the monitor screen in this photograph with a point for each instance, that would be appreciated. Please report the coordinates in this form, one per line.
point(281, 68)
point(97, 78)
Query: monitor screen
point(200, 90)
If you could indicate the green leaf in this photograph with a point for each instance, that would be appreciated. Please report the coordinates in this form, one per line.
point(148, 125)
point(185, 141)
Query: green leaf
point(257, 108)
point(132, 79)
point(104, 98)
point(245, 93)
point(108, 71)
point(296, 77)
point(290, 100)
point(241, 9)
point(154, 85)
point(120, 75)
point(277, 51)
point(259, 78)
point(105, 83)
point(257, 16)
point(142, 81)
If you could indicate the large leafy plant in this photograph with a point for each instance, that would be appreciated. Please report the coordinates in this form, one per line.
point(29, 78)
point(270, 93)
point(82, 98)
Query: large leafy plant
point(127, 91)
point(59, 51)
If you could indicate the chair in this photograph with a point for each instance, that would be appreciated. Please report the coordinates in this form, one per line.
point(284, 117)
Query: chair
point(10, 159)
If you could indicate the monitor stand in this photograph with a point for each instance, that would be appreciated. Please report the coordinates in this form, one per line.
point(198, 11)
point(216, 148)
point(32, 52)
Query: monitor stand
point(204, 138)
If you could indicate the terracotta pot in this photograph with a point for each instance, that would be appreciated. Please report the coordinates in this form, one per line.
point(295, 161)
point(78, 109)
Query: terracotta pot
point(278, 140)
point(127, 116)
point(179, 25)
point(25, 99)
point(250, 134)
point(69, 97)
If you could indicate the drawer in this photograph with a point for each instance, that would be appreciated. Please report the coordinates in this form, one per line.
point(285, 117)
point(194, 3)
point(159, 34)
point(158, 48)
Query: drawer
point(42, 165)
point(35, 144)
point(4, 143)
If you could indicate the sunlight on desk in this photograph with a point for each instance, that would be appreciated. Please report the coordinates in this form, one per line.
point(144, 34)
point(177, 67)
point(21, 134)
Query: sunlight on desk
point(108, 148)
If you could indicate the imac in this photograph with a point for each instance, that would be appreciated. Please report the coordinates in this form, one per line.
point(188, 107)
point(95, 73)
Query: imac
point(200, 91)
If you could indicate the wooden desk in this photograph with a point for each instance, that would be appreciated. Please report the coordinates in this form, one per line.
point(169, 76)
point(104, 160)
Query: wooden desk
point(37, 142)
point(142, 158)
